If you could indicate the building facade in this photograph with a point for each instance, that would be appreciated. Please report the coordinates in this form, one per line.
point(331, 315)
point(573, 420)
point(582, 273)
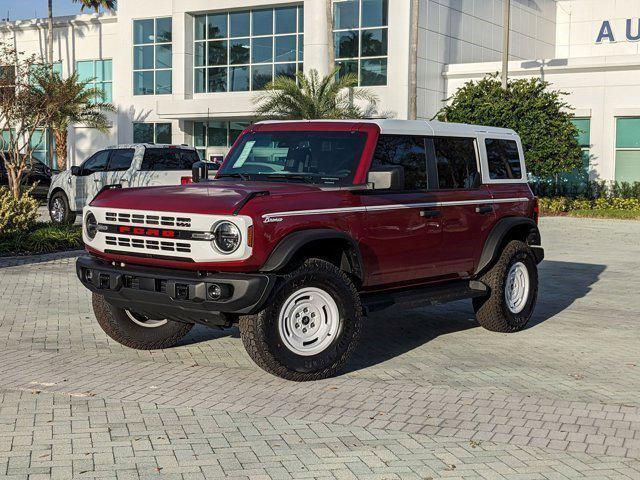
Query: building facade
point(188, 71)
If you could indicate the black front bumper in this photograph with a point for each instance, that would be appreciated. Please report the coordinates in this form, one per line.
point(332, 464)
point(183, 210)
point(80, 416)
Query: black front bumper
point(175, 294)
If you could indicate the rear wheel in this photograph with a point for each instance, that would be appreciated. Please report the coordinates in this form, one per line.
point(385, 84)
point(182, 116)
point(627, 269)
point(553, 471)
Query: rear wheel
point(310, 328)
point(513, 282)
point(135, 330)
point(59, 209)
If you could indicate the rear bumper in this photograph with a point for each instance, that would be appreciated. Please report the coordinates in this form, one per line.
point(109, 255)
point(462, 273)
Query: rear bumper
point(175, 294)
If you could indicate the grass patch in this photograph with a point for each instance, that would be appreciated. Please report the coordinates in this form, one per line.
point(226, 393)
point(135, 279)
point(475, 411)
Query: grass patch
point(606, 213)
point(43, 238)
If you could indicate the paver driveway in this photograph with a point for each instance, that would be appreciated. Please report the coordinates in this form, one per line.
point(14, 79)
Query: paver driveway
point(427, 395)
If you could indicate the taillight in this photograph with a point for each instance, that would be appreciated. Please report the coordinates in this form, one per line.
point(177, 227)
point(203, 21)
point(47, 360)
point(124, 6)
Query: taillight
point(536, 210)
point(186, 180)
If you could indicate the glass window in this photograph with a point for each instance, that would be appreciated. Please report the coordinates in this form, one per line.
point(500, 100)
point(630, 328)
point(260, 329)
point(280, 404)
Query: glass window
point(121, 159)
point(143, 31)
point(168, 159)
point(374, 13)
point(239, 22)
point(359, 48)
point(456, 162)
point(217, 133)
point(39, 145)
point(152, 133)
point(256, 44)
point(97, 163)
point(99, 74)
point(286, 20)
point(346, 13)
point(628, 149)
point(406, 151)
point(262, 22)
point(153, 53)
point(503, 159)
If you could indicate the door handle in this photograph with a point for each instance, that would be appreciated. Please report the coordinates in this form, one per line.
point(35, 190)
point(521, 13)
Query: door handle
point(427, 213)
point(484, 209)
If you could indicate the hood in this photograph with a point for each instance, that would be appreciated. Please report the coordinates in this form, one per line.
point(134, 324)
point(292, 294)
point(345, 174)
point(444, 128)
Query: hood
point(218, 197)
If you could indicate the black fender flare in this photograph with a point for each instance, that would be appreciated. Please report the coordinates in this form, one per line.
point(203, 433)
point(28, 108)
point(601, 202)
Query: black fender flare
point(490, 251)
point(292, 243)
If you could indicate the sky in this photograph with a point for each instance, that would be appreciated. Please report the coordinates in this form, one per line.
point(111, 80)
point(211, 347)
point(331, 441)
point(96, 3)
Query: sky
point(21, 9)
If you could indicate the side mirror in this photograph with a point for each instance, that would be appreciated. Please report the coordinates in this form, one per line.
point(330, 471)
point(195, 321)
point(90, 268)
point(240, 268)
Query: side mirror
point(76, 171)
point(386, 177)
point(199, 172)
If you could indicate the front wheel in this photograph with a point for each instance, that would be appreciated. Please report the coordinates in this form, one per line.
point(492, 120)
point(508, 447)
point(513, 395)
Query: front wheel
point(311, 327)
point(135, 330)
point(59, 209)
point(513, 283)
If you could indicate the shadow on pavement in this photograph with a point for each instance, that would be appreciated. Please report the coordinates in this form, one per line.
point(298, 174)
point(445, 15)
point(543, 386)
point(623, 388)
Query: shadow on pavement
point(389, 334)
point(394, 332)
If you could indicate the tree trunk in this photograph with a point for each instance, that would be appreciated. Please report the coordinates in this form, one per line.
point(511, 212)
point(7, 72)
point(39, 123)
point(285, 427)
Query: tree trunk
point(13, 179)
point(413, 61)
point(61, 147)
point(329, 13)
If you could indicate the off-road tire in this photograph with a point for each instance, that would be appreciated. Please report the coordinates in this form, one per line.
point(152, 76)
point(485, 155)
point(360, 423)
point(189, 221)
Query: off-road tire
point(265, 346)
point(116, 323)
point(492, 311)
point(69, 216)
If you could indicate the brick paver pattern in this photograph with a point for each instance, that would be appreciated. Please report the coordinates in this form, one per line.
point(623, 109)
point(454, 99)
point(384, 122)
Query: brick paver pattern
point(428, 394)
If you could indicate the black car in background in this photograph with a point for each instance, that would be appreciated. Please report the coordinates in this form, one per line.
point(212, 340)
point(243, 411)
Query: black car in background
point(37, 174)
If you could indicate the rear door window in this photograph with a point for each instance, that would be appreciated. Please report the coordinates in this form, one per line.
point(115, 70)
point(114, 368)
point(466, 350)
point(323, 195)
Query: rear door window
point(503, 159)
point(456, 162)
point(121, 159)
point(407, 151)
point(168, 159)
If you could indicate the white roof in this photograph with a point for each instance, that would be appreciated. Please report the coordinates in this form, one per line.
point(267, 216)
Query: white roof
point(418, 127)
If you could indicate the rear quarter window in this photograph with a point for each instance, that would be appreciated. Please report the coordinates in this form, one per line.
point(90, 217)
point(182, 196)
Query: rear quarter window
point(503, 159)
point(168, 159)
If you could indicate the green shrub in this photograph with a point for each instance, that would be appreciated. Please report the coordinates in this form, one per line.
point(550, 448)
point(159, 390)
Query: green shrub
point(17, 214)
point(585, 205)
point(43, 238)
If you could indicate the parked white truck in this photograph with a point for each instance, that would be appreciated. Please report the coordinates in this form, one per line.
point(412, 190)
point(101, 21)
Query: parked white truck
point(137, 165)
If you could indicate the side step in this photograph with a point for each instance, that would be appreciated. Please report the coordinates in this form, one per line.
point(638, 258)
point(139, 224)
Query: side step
point(424, 296)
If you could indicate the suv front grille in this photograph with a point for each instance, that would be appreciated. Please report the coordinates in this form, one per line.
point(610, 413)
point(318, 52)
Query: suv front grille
point(148, 244)
point(150, 220)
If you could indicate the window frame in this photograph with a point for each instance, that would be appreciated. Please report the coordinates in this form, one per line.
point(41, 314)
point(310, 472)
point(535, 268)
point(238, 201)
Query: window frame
point(484, 162)
point(83, 172)
point(154, 46)
point(155, 132)
point(113, 152)
point(622, 149)
point(431, 180)
point(297, 62)
point(359, 59)
point(493, 139)
point(94, 83)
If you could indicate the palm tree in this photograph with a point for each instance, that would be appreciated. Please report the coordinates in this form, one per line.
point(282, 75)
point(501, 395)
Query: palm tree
point(311, 97)
point(73, 101)
point(96, 5)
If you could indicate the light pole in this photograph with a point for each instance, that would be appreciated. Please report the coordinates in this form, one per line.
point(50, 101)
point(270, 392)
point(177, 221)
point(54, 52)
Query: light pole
point(506, 17)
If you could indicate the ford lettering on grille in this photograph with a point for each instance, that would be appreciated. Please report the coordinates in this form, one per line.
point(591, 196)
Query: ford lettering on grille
point(146, 232)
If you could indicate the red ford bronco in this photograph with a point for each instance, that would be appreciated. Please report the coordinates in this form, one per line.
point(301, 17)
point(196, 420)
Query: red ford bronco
point(310, 225)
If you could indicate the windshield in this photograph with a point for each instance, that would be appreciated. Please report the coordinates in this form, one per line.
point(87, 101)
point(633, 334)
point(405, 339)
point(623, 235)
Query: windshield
point(311, 157)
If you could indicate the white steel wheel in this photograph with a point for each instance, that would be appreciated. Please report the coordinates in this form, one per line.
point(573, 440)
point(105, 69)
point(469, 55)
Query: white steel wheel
point(57, 210)
point(517, 286)
point(308, 321)
point(143, 321)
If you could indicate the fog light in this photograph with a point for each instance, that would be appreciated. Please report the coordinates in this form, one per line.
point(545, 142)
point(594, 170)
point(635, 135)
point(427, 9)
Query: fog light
point(215, 292)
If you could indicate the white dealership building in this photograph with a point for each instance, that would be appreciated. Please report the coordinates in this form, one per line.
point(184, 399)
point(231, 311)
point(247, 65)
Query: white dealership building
point(188, 71)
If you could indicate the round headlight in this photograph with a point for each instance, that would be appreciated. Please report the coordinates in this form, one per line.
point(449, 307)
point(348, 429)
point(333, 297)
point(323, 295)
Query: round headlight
point(226, 237)
point(90, 225)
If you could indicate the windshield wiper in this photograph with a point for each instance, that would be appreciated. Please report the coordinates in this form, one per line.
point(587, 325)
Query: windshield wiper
point(290, 176)
point(241, 176)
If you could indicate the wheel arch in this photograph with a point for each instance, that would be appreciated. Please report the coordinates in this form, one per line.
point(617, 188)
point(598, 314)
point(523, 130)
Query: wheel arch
point(505, 230)
point(57, 189)
point(335, 246)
